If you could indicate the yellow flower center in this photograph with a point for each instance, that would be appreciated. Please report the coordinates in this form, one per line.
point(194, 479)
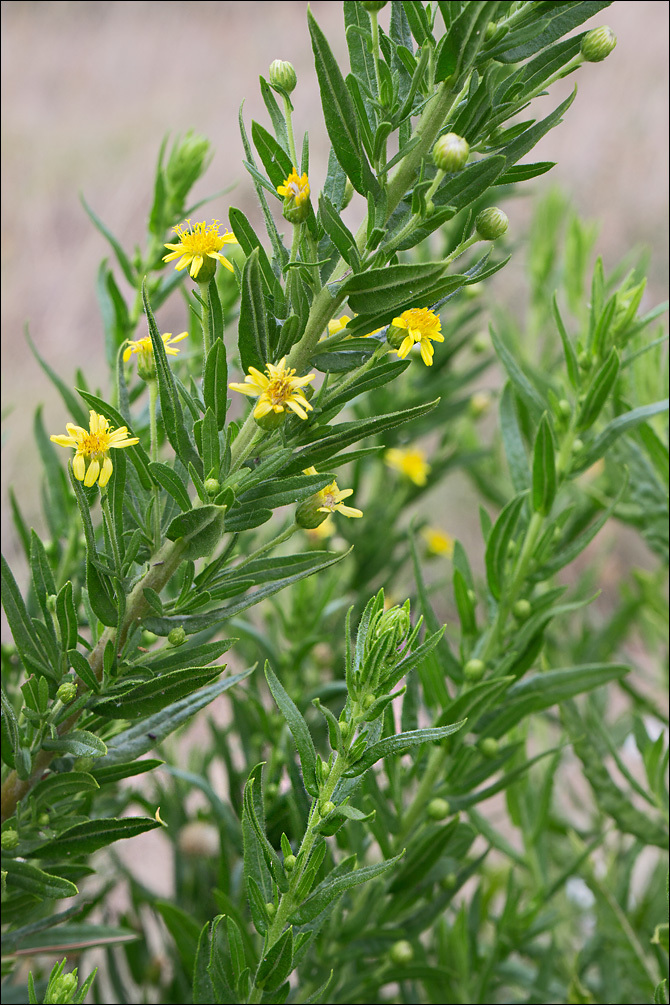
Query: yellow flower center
point(200, 239)
point(91, 444)
point(281, 388)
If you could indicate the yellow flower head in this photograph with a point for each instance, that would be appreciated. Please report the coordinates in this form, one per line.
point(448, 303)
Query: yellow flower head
point(420, 325)
point(295, 188)
point(337, 324)
point(93, 446)
point(328, 500)
point(410, 462)
point(196, 243)
point(278, 390)
point(437, 541)
point(145, 350)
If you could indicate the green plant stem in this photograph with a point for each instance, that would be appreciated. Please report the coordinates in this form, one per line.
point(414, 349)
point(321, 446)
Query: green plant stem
point(111, 531)
point(153, 429)
point(437, 760)
point(289, 132)
point(205, 319)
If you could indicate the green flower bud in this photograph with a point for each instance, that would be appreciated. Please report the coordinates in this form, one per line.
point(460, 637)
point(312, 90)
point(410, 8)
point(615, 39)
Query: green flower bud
point(372, 5)
point(584, 360)
point(309, 513)
point(189, 159)
point(451, 152)
point(271, 790)
point(491, 224)
point(271, 909)
point(472, 597)
point(401, 953)
point(438, 809)
point(564, 408)
point(345, 729)
point(368, 701)
point(577, 446)
point(489, 746)
point(43, 820)
point(212, 486)
point(177, 636)
point(271, 420)
point(51, 603)
point(474, 670)
point(9, 839)
point(396, 620)
point(283, 75)
point(480, 344)
point(597, 44)
point(522, 610)
point(449, 881)
point(479, 404)
point(61, 989)
point(289, 863)
point(67, 692)
point(326, 808)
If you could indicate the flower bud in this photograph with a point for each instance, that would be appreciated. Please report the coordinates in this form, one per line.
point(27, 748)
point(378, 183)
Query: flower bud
point(479, 404)
point(345, 729)
point(491, 224)
point(326, 808)
point(368, 701)
point(309, 513)
point(67, 692)
point(177, 636)
point(474, 670)
point(212, 486)
point(489, 746)
point(438, 809)
point(61, 989)
point(289, 863)
point(282, 75)
point(451, 152)
point(271, 909)
point(584, 360)
point(401, 953)
point(522, 610)
point(449, 881)
point(564, 408)
point(51, 603)
point(577, 446)
point(9, 839)
point(396, 620)
point(597, 44)
point(43, 820)
point(188, 160)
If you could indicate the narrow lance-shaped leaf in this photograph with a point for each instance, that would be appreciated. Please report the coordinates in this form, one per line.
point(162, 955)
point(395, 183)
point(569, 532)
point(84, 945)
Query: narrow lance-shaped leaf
point(498, 541)
point(299, 730)
point(399, 744)
point(253, 328)
point(544, 469)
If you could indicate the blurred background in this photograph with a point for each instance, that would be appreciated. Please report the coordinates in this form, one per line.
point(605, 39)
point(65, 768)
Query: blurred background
point(90, 90)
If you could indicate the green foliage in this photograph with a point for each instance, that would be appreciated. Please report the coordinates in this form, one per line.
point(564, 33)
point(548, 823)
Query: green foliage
point(347, 855)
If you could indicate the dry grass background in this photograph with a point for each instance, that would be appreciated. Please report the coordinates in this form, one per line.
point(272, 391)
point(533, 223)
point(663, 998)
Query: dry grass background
point(90, 90)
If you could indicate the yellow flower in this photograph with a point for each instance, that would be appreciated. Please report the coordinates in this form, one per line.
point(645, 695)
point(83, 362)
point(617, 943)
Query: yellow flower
point(337, 324)
point(144, 347)
point(295, 188)
point(94, 446)
point(279, 389)
point(421, 325)
point(409, 461)
point(437, 541)
point(328, 500)
point(197, 243)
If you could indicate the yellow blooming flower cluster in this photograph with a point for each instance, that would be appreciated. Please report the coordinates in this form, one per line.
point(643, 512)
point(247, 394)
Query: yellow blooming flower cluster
point(91, 462)
point(278, 388)
point(143, 347)
point(417, 326)
point(295, 188)
point(196, 243)
point(438, 542)
point(410, 462)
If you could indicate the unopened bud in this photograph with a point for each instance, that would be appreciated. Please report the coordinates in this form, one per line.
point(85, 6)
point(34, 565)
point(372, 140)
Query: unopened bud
point(489, 746)
point(577, 446)
point(283, 75)
point(522, 610)
point(438, 809)
point(309, 513)
point(51, 603)
point(451, 152)
point(474, 670)
point(176, 636)
point(564, 408)
point(372, 5)
point(479, 404)
point(271, 909)
point(491, 224)
point(368, 701)
point(212, 486)
point(67, 692)
point(9, 839)
point(344, 729)
point(61, 990)
point(401, 953)
point(597, 44)
point(289, 863)
point(326, 808)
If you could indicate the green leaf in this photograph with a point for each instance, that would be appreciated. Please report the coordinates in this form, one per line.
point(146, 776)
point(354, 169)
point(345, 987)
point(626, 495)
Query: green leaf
point(78, 413)
point(283, 491)
point(59, 786)
point(215, 382)
point(339, 114)
point(515, 450)
point(400, 744)
point(559, 20)
point(629, 420)
point(532, 398)
point(544, 469)
point(465, 37)
point(540, 691)
point(299, 729)
point(275, 160)
point(599, 391)
point(498, 541)
point(421, 856)
point(464, 604)
point(82, 668)
point(253, 326)
point(153, 695)
point(116, 772)
point(330, 889)
point(276, 963)
point(67, 616)
point(338, 232)
point(79, 742)
point(32, 654)
point(392, 287)
point(571, 363)
point(145, 735)
point(84, 839)
point(28, 877)
point(168, 479)
point(74, 937)
point(121, 257)
point(201, 528)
